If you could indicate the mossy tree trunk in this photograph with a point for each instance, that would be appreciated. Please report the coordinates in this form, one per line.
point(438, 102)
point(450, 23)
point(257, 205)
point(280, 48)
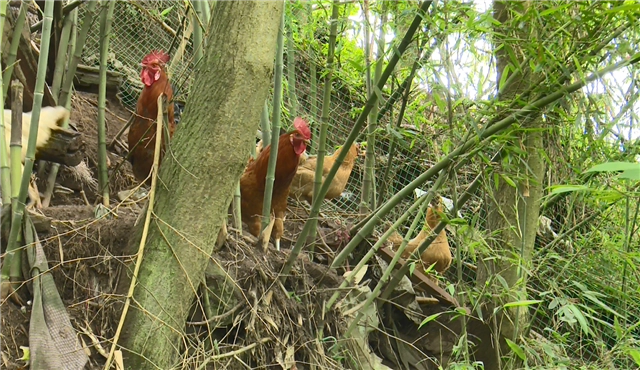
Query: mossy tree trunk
point(512, 210)
point(198, 180)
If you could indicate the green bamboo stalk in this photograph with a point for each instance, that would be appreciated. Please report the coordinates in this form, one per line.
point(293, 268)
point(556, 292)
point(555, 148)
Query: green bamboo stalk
point(418, 203)
point(265, 125)
point(291, 66)
point(89, 17)
point(198, 46)
point(5, 172)
point(365, 192)
point(236, 207)
point(18, 211)
point(16, 140)
point(313, 81)
point(206, 12)
point(326, 107)
point(13, 48)
point(14, 263)
point(370, 156)
point(61, 58)
point(60, 68)
point(105, 33)
point(275, 128)
point(53, 173)
point(315, 208)
point(9, 274)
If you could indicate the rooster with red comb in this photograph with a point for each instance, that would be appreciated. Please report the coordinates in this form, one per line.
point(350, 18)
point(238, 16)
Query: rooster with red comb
point(142, 132)
point(291, 146)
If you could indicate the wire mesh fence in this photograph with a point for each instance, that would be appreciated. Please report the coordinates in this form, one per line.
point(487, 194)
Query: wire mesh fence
point(581, 317)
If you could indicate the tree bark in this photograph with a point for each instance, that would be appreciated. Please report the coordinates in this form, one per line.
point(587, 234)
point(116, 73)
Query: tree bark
point(513, 211)
point(198, 177)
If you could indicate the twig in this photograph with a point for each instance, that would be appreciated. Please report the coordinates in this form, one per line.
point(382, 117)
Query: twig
point(217, 317)
point(145, 231)
point(154, 17)
point(233, 353)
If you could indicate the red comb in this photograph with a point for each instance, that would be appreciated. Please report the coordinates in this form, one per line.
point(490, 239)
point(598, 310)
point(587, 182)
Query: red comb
point(302, 127)
point(156, 55)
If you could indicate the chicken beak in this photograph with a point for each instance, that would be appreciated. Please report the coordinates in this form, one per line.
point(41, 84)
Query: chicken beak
point(307, 142)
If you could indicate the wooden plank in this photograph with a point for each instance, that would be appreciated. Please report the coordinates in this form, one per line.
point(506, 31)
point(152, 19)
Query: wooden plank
point(420, 281)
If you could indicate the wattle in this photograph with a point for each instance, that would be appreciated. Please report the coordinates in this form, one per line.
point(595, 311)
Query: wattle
point(147, 77)
point(299, 148)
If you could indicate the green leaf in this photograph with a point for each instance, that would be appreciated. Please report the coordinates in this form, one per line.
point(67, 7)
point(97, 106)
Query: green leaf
point(635, 354)
point(614, 166)
point(429, 319)
point(516, 349)
point(557, 189)
point(508, 180)
point(581, 319)
point(523, 303)
point(633, 174)
point(26, 353)
point(166, 11)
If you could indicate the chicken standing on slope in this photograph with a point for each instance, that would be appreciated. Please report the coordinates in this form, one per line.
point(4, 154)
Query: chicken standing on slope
point(143, 128)
point(252, 183)
point(438, 252)
point(302, 185)
point(51, 120)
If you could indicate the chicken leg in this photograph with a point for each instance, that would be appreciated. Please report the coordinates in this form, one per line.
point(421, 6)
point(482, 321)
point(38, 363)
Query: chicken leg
point(278, 229)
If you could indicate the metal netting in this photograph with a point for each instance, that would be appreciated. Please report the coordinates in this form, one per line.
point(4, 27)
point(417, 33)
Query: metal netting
point(138, 28)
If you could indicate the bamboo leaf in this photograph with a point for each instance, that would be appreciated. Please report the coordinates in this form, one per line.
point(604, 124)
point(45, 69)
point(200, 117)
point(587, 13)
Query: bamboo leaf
point(516, 349)
point(614, 167)
point(522, 303)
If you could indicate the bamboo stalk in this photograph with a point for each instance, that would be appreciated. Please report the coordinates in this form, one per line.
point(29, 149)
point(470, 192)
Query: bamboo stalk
point(105, 34)
point(89, 17)
point(275, 128)
point(61, 58)
point(314, 84)
point(53, 173)
point(237, 209)
point(196, 14)
point(315, 208)
point(15, 261)
point(13, 48)
point(265, 125)
point(9, 273)
point(291, 66)
point(370, 156)
point(326, 107)
point(58, 72)
point(16, 140)
point(18, 211)
point(5, 172)
point(365, 192)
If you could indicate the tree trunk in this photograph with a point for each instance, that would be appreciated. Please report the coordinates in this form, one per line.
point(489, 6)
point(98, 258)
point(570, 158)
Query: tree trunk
point(197, 178)
point(513, 211)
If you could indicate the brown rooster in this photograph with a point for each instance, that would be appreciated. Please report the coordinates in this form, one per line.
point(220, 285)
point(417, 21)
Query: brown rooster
point(252, 183)
point(143, 128)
